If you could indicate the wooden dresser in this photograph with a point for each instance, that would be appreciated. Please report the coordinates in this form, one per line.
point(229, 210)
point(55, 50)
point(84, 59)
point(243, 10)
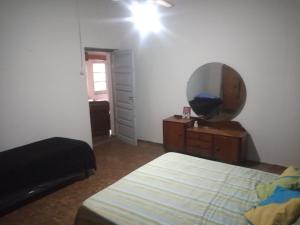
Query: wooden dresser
point(222, 141)
point(100, 118)
point(174, 131)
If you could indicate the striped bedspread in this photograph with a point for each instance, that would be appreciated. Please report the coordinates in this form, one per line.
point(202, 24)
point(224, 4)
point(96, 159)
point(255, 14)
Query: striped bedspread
point(176, 189)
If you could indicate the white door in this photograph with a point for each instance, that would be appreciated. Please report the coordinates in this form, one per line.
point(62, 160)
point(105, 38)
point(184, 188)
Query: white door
point(124, 95)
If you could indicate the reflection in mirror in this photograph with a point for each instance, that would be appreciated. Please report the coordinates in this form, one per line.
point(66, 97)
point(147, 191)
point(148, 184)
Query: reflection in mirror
point(216, 92)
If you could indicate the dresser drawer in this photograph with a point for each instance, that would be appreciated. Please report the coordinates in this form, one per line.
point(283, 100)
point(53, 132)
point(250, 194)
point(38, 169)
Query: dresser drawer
point(202, 152)
point(199, 136)
point(227, 149)
point(174, 133)
point(174, 136)
point(199, 143)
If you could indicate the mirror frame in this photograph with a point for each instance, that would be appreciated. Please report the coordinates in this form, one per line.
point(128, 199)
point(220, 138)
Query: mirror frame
point(221, 106)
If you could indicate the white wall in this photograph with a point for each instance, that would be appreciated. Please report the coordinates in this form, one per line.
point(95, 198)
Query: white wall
point(42, 93)
point(259, 39)
point(101, 23)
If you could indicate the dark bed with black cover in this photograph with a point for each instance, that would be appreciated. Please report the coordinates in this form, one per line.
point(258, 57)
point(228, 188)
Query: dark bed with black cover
point(34, 169)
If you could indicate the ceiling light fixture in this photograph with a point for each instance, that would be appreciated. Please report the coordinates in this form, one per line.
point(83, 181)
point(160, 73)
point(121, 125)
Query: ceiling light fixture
point(163, 3)
point(146, 17)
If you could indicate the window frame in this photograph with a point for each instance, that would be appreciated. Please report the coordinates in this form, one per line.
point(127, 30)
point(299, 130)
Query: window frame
point(103, 62)
point(91, 76)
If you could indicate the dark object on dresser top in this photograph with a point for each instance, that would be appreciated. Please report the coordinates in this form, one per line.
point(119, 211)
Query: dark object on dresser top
point(35, 168)
point(205, 106)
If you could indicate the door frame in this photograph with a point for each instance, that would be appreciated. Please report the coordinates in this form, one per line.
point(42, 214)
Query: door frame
point(107, 53)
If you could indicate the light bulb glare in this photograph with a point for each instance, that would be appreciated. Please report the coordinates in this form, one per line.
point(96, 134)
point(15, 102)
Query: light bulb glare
point(145, 17)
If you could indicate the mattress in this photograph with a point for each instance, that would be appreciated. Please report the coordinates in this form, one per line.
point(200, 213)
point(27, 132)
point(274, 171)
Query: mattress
point(176, 189)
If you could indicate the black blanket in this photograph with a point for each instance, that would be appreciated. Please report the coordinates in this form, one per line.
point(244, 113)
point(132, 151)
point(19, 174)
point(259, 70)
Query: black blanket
point(35, 167)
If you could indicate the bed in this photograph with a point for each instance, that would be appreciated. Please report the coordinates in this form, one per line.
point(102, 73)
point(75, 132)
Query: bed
point(176, 189)
point(31, 170)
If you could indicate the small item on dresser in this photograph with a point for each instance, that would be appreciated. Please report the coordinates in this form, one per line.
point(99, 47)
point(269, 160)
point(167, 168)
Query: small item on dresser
point(196, 123)
point(186, 113)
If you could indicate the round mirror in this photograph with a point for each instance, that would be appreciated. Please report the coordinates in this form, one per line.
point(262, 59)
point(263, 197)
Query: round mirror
point(216, 92)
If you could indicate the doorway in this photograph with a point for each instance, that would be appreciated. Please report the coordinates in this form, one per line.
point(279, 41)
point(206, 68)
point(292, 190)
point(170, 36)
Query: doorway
point(100, 94)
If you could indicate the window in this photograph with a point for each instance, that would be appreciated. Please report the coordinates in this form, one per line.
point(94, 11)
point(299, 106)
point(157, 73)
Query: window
point(98, 72)
point(99, 77)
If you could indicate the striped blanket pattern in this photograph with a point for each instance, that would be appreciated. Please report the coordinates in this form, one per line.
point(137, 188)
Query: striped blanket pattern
point(176, 189)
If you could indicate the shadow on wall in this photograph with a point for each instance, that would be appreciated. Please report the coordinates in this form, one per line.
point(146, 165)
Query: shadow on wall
point(252, 151)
